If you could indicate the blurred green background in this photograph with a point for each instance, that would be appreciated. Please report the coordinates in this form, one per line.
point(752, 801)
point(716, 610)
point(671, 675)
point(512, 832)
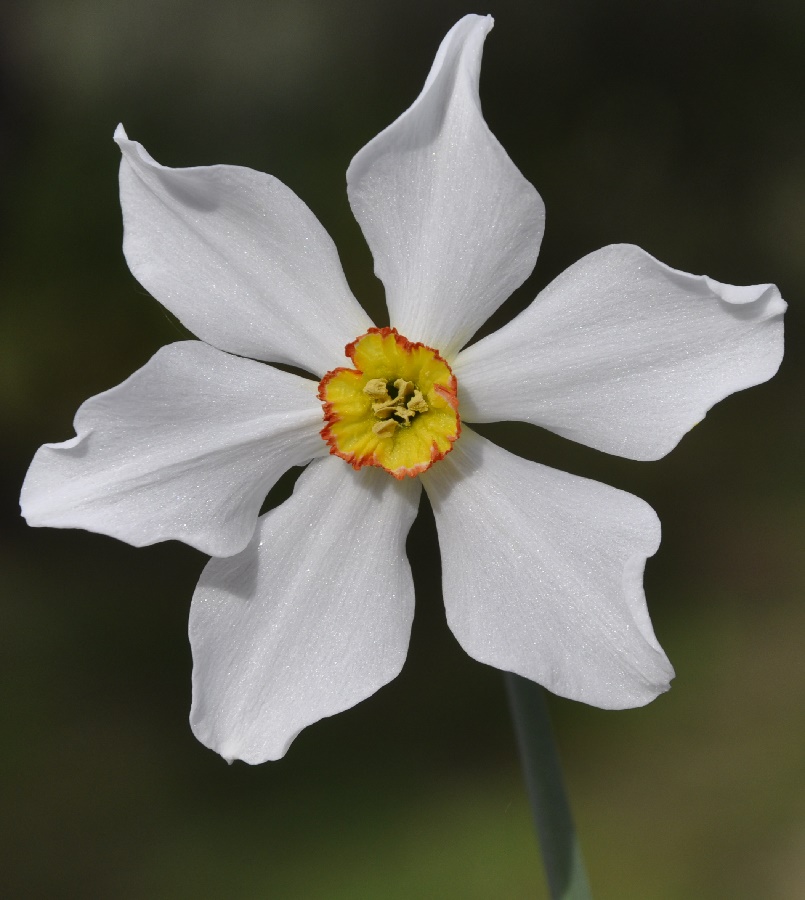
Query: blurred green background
point(675, 125)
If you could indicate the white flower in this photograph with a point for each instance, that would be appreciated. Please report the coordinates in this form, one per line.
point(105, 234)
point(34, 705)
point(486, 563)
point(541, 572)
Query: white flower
point(308, 610)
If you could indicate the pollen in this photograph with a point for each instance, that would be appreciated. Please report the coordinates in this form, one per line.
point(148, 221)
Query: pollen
point(396, 409)
point(397, 406)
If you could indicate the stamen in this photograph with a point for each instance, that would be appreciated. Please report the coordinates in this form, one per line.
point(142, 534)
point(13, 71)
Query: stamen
point(402, 408)
point(404, 388)
point(384, 410)
point(385, 429)
point(376, 389)
point(417, 402)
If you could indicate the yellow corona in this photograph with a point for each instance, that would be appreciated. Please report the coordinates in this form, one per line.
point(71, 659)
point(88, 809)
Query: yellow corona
point(396, 409)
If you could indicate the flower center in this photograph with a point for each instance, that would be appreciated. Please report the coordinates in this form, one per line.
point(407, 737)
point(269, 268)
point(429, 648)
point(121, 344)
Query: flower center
point(394, 404)
point(397, 409)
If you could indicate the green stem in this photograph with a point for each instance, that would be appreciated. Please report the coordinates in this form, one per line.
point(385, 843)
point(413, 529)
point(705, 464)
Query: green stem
point(561, 853)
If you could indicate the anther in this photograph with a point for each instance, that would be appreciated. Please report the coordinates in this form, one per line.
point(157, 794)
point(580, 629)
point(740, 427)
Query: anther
point(417, 402)
point(376, 389)
point(385, 429)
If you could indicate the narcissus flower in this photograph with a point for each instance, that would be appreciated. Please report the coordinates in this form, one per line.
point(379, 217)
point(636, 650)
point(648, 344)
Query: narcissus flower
point(307, 610)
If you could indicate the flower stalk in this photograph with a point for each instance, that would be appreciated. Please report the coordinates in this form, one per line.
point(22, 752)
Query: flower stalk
point(542, 771)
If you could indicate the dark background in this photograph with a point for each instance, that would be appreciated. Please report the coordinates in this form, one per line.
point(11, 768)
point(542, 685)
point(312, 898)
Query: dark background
point(674, 125)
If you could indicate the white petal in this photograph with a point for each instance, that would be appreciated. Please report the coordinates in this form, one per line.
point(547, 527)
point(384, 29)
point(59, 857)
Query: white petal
point(239, 259)
point(542, 574)
point(185, 448)
point(453, 226)
point(623, 353)
point(313, 617)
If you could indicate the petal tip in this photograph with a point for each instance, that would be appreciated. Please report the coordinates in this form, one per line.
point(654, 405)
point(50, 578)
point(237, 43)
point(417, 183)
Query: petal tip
point(649, 679)
point(232, 752)
point(743, 295)
point(474, 20)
